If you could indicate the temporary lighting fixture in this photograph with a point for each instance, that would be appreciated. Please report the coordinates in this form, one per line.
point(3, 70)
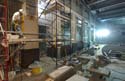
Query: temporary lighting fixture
point(102, 33)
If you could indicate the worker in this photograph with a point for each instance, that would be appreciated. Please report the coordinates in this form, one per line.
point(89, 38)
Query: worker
point(17, 21)
point(17, 26)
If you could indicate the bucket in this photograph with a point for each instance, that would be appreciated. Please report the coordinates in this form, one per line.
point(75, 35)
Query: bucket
point(36, 70)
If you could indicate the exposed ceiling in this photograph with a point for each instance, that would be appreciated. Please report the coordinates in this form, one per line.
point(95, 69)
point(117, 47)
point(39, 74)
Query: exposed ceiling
point(107, 9)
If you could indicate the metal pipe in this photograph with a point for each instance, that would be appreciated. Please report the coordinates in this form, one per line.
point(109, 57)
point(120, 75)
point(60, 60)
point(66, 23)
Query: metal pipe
point(56, 37)
point(6, 49)
point(71, 27)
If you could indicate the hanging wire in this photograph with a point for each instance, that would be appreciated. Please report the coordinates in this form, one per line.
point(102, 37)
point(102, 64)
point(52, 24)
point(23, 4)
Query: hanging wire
point(45, 8)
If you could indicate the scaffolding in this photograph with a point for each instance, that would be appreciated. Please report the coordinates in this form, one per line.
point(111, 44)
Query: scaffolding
point(53, 38)
point(5, 55)
point(61, 13)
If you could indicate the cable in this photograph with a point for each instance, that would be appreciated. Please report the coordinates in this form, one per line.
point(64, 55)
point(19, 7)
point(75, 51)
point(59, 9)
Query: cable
point(45, 8)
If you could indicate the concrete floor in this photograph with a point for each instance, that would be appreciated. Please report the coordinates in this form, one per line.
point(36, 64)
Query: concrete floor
point(117, 67)
point(117, 71)
point(77, 77)
point(48, 64)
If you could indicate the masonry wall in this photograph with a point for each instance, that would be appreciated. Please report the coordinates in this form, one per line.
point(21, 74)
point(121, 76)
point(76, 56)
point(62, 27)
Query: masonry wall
point(31, 24)
point(78, 12)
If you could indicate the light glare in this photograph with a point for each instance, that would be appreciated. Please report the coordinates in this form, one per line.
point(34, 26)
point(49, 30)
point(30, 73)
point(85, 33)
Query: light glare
point(102, 33)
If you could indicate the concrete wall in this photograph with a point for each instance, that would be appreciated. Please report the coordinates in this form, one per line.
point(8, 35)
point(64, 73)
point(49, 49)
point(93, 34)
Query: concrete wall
point(78, 11)
point(31, 25)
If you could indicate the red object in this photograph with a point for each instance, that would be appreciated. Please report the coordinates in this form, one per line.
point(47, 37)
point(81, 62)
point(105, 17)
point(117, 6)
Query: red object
point(6, 50)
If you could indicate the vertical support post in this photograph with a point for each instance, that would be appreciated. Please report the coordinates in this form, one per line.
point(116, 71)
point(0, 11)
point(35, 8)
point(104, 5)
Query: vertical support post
point(59, 52)
point(56, 36)
point(71, 27)
point(6, 42)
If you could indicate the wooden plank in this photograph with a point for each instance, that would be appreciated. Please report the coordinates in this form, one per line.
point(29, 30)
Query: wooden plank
point(77, 78)
point(49, 79)
point(61, 16)
point(26, 40)
point(104, 73)
point(62, 73)
point(12, 41)
point(24, 33)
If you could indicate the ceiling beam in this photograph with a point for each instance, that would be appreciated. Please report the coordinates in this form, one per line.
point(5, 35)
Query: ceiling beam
point(96, 2)
point(112, 16)
point(115, 11)
point(106, 4)
point(113, 7)
point(89, 1)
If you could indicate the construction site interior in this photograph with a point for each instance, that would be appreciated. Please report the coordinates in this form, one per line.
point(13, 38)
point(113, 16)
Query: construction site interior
point(62, 40)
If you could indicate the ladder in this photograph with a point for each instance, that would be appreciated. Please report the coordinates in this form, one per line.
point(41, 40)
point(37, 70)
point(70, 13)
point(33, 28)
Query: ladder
point(5, 55)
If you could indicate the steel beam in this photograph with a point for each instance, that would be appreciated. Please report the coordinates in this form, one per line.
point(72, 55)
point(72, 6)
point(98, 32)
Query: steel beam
point(96, 2)
point(106, 4)
point(112, 12)
point(112, 16)
point(113, 7)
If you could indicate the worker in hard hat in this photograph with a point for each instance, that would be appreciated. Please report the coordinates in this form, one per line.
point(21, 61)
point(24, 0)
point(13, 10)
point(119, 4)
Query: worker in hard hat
point(17, 26)
point(17, 21)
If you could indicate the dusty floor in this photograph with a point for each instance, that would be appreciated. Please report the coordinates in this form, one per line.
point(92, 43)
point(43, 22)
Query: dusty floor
point(117, 71)
point(47, 64)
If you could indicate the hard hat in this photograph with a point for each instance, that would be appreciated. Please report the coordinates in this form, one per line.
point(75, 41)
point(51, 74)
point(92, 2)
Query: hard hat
point(21, 10)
